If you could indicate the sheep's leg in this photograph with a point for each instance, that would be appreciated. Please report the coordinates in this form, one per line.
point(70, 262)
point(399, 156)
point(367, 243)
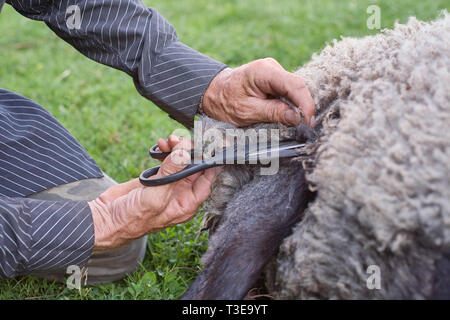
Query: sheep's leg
point(256, 220)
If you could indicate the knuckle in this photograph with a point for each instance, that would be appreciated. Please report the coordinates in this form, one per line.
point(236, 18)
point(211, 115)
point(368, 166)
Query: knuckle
point(267, 63)
point(270, 60)
point(259, 63)
point(242, 111)
point(273, 112)
point(274, 115)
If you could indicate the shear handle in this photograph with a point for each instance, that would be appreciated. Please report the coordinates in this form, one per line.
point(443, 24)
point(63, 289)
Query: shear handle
point(159, 155)
point(189, 170)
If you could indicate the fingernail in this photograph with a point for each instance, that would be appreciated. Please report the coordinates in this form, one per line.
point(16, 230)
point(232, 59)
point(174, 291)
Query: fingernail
point(292, 117)
point(313, 121)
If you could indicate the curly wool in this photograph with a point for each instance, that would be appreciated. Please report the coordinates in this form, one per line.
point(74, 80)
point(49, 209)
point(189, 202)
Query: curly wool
point(382, 169)
point(382, 174)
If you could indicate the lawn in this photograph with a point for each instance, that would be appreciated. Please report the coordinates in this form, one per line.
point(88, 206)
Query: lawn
point(102, 109)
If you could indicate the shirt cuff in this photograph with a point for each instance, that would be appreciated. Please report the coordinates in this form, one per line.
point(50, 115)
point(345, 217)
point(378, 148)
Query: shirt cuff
point(45, 235)
point(63, 235)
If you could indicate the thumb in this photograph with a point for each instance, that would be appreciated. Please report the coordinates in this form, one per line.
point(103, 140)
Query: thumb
point(176, 161)
point(275, 110)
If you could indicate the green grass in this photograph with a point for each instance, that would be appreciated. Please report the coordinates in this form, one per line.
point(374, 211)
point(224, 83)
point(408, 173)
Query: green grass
point(116, 125)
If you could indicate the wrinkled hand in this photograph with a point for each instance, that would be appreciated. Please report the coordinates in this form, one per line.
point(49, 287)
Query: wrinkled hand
point(246, 95)
point(129, 210)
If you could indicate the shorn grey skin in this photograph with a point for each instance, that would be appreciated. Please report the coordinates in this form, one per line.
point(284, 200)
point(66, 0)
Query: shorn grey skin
point(380, 170)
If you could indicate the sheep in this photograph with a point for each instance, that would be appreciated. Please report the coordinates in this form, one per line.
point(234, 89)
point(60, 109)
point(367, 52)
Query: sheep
point(374, 194)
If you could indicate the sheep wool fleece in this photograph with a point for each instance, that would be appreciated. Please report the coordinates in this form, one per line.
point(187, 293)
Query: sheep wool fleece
point(382, 173)
point(380, 169)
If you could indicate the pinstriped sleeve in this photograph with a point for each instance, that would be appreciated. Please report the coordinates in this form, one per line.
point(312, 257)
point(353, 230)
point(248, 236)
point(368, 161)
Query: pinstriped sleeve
point(37, 235)
point(127, 35)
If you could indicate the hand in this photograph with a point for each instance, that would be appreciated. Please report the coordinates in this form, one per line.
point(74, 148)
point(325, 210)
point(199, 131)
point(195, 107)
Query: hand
point(167, 145)
point(129, 210)
point(247, 95)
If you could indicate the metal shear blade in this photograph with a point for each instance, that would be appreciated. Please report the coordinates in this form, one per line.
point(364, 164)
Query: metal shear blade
point(229, 155)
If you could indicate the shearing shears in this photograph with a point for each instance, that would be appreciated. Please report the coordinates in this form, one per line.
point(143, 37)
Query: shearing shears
point(251, 154)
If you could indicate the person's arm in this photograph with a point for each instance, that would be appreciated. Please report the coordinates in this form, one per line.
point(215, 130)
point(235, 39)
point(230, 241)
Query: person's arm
point(37, 235)
point(127, 35)
point(129, 210)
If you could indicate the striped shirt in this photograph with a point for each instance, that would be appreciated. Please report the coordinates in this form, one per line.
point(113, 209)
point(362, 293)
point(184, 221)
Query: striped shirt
point(37, 152)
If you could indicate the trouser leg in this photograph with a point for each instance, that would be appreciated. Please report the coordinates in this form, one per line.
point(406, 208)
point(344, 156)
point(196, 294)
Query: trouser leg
point(106, 265)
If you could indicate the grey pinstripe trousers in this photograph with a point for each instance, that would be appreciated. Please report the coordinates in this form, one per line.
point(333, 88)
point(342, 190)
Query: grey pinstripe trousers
point(103, 266)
